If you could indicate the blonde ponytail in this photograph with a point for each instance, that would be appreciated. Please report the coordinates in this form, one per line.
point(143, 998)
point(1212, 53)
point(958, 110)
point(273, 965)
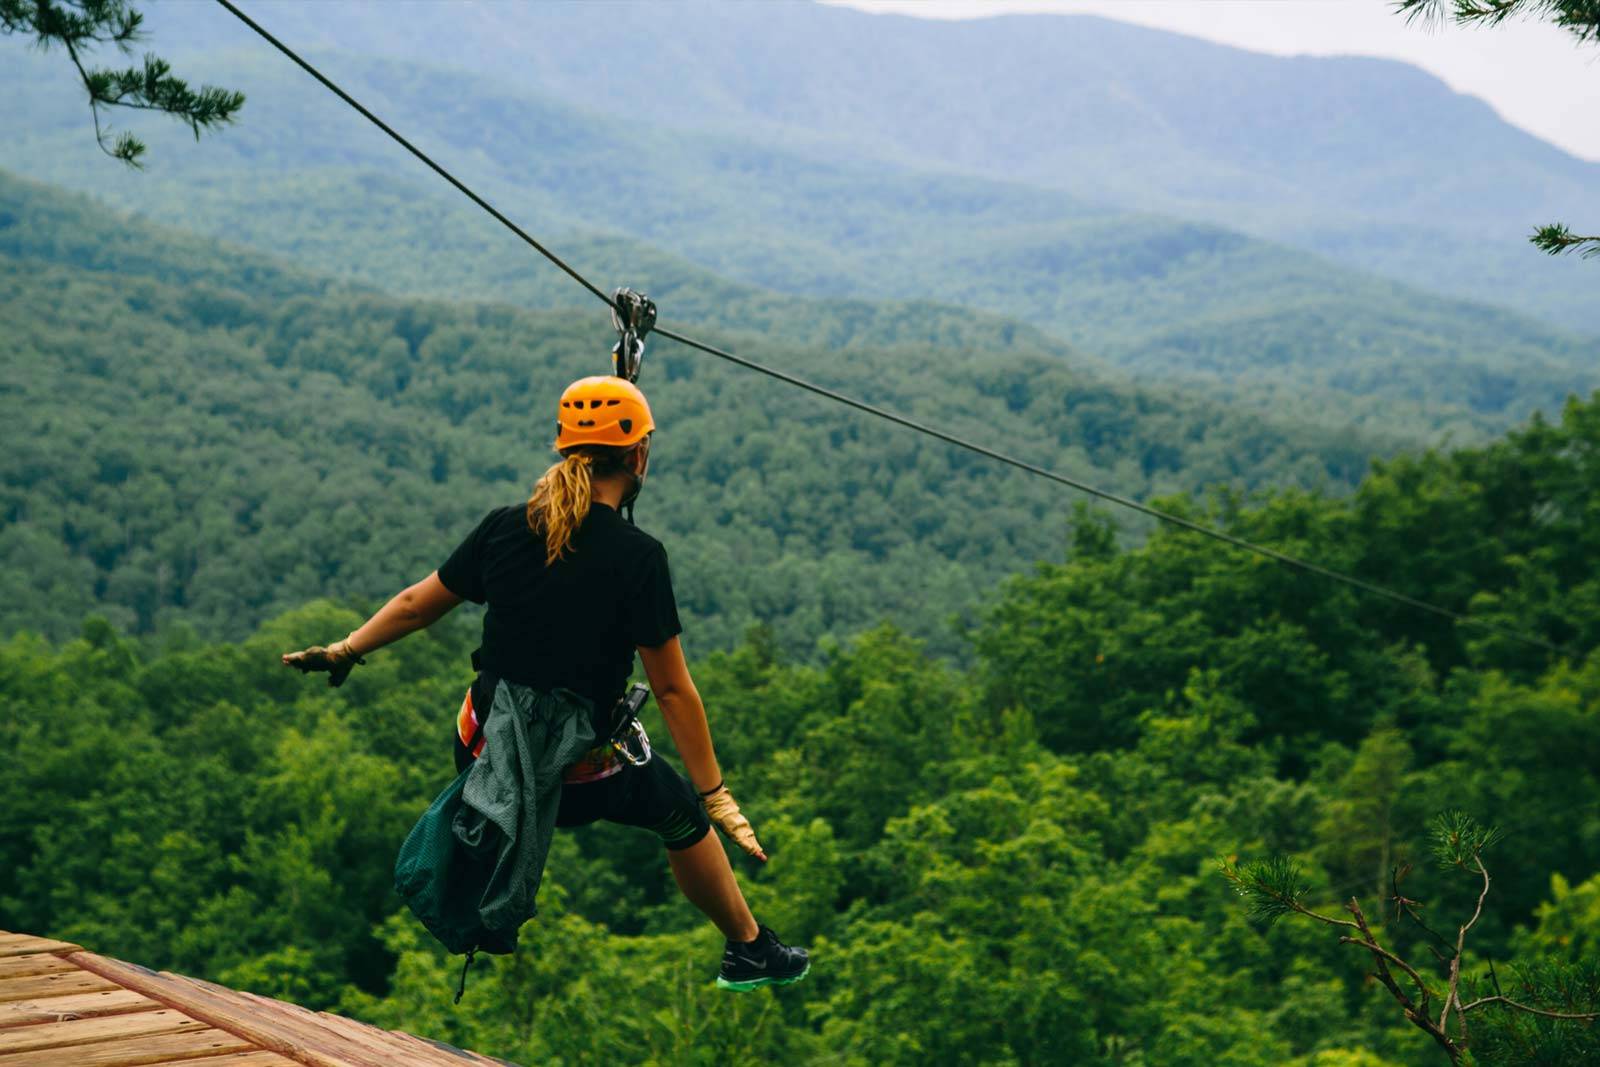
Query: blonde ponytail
point(560, 502)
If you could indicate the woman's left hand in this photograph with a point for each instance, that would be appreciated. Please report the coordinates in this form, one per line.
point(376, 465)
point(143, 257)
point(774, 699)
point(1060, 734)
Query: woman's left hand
point(338, 659)
point(724, 811)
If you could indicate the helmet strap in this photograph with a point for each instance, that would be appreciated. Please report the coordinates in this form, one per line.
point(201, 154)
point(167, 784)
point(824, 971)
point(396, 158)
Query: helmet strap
point(625, 509)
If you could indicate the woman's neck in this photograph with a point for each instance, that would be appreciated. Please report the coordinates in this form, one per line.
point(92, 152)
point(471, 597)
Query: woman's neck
point(609, 491)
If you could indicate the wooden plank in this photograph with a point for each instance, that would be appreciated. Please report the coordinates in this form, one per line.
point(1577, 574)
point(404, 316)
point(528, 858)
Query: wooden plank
point(91, 1031)
point(302, 1042)
point(444, 1052)
point(81, 1006)
point(22, 945)
point(33, 963)
point(133, 1051)
point(258, 1058)
point(392, 1047)
point(53, 985)
point(309, 1038)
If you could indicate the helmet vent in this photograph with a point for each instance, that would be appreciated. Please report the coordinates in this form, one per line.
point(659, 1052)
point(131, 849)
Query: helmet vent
point(612, 403)
point(587, 422)
point(627, 425)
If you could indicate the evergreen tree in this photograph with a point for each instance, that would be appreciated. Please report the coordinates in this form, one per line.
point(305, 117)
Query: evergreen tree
point(1547, 1018)
point(79, 26)
point(1582, 17)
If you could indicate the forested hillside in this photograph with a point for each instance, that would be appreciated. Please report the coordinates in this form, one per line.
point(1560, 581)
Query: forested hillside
point(195, 435)
point(1015, 864)
point(1004, 749)
point(1257, 324)
point(1372, 162)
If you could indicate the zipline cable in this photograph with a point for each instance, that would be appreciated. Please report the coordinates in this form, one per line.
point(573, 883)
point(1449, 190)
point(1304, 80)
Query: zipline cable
point(883, 413)
point(414, 150)
point(1110, 497)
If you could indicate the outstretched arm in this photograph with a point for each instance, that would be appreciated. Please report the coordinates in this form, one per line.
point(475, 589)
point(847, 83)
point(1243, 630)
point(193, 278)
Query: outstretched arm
point(409, 610)
point(686, 718)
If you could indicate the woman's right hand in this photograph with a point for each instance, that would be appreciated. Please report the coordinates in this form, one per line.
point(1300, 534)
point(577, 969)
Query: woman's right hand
point(338, 659)
point(724, 811)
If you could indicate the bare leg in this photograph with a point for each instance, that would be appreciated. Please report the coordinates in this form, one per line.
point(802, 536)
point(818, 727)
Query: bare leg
point(703, 873)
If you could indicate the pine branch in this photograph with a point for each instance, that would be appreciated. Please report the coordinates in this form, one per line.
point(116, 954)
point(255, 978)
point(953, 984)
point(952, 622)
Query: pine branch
point(1274, 888)
point(1405, 907)
point(1459, 839)
point(1581, 17)
point(78, 25)
point(1582, 1016)
point(1556, 239)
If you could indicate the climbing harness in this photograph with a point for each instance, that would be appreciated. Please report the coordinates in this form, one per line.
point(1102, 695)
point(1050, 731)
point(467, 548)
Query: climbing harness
point(626, 735)
point(633, 314)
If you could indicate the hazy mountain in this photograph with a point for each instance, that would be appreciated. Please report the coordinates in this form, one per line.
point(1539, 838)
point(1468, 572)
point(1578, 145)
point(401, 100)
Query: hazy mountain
point(188, 432)
point(1373, 162)
point(304, 177)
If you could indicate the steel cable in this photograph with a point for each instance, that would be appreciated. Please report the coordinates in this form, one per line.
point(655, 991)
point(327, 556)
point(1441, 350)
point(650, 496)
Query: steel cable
point(871, 409)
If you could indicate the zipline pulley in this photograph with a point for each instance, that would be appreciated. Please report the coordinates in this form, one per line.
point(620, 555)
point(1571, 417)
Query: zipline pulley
point(633, 314)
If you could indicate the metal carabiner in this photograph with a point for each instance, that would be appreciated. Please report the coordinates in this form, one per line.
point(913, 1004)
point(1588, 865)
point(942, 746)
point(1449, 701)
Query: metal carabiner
point(633, 315)
point(635, 733)
point(626, 727)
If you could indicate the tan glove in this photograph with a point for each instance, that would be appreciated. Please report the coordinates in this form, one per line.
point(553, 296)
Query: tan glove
point(338, 659)
point(724, 811)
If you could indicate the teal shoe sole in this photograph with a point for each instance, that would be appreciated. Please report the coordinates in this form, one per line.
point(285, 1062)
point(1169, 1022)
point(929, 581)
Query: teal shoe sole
point(757, 983)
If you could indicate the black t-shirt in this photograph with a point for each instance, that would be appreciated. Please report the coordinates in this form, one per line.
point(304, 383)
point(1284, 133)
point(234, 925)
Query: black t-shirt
point(574, 624)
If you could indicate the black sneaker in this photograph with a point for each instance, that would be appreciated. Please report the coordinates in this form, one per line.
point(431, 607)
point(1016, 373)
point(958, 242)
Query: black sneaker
point(765, 961)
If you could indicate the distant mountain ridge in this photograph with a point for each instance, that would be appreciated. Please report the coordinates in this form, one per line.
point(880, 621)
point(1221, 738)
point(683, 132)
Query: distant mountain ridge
point(1372, 162)
point(1168, 301)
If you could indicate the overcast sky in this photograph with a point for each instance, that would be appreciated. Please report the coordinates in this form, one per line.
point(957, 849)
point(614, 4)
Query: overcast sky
point(1535, 75)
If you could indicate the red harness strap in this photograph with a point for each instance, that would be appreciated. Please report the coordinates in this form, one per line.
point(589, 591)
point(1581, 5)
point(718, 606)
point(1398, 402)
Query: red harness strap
point(468, 728)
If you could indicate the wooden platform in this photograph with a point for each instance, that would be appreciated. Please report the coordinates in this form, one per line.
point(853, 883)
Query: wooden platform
point(63, 1007)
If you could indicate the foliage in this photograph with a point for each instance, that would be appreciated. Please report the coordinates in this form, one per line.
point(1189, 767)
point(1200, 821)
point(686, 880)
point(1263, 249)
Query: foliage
point(1581, 17)
point(1010, 862)
point(727, 234)
point(209, 438)
point(77, 26)
point(1553, 1023)
point(1557, 239)
point(1345, 158)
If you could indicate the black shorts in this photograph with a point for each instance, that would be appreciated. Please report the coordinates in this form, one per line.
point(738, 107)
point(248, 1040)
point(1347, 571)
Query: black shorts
point(655, 797)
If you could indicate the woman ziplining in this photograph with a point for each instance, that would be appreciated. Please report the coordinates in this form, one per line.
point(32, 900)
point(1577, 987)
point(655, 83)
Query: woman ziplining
point(573, 590)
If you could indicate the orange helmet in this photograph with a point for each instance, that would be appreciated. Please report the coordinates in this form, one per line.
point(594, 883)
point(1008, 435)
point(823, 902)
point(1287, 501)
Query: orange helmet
point(603, 410)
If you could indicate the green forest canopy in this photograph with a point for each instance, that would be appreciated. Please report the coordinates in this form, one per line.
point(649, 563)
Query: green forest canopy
point(999, 841)
point(196, 435)
point(1007, 864)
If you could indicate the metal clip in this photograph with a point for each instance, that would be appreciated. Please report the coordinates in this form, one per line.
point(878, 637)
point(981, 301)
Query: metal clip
point(627, 730)
point(633, 314)
point(634, 735)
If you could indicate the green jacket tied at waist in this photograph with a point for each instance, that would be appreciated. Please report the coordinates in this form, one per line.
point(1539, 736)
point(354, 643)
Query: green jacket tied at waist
point(471, 867)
